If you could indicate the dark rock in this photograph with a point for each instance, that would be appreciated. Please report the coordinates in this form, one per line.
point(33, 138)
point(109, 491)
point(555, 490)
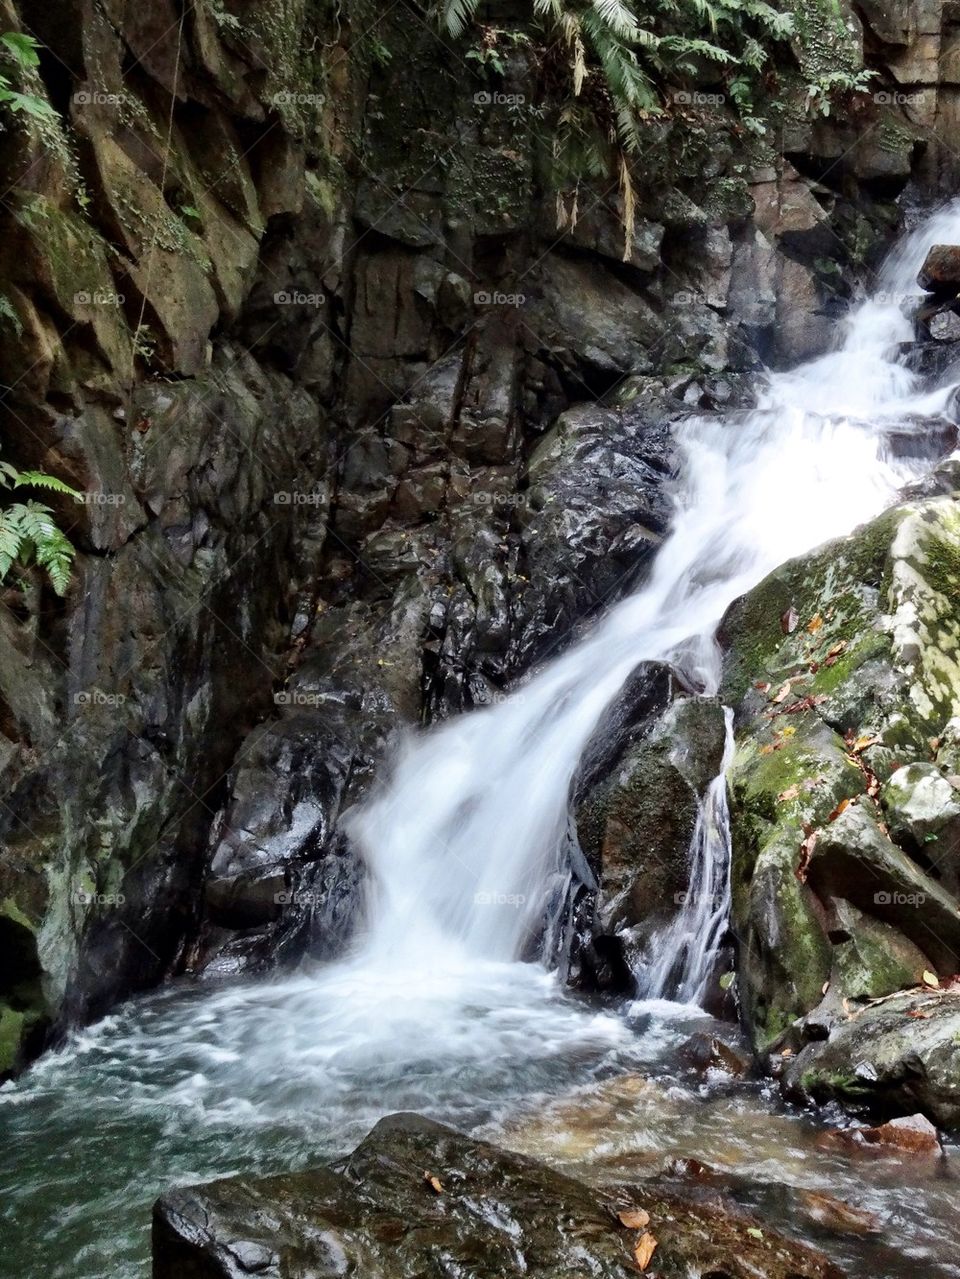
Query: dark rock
point(417, 1199)
point(707, 1052)
point(894, 1057)
point(940, 272)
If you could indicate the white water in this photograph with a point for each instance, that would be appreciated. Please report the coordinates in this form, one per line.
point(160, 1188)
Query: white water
point(466, 841)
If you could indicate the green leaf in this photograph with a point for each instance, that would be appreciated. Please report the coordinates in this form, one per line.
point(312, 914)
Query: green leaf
point(22, 47)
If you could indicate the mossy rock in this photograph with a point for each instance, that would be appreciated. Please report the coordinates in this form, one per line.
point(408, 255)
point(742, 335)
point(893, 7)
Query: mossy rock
point(844, 671)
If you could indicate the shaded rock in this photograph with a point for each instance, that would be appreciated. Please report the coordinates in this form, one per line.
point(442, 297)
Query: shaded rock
point(895, 1057)
point(635, 827)
point(830, 902)
point(940, 272)
point(707, 1052)
point(495, 1213)
point(944, 326)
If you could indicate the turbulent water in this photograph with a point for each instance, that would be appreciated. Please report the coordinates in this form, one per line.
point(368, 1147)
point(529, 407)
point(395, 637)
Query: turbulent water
point(465, 844)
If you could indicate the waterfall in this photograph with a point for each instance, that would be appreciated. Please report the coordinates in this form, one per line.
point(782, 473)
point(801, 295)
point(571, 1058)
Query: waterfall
point(465, 841)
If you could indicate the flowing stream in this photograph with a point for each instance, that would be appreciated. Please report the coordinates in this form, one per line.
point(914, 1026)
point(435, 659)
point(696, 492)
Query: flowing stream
point(465, 842)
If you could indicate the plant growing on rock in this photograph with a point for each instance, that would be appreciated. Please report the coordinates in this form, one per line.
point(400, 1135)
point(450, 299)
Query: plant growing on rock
point(21, 51)
point(28, 531)
point(611, 66)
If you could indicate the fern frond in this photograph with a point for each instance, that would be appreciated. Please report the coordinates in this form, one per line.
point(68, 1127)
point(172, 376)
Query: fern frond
point(40, 480)
point(457, 15)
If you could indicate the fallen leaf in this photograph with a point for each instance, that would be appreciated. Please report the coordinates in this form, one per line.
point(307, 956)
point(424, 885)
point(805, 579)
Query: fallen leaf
point(841, 807)
point(782, 694)
point(814, 624)
point(787, 1052)
point(931, 979)
point(835, 650)
point(824, 988)
point(790, 793)
point(862, 743)
point(634, 1218)
point(646, 1246)
point(788, 621)
point(762, 687)
point(789, 731)
point(770, 748)
point(754, 1232)
point(433, 1181)
point(806, 851)
point(805, 704)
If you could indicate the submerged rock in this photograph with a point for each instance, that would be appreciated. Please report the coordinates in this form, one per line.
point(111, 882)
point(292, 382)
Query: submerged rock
point(416, 1199)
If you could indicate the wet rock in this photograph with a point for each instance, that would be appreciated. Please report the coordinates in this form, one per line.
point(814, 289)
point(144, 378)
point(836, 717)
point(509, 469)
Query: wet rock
point(635, 826)
point(940, 272)
point(838, 1216)
point(909, 1135)
point(707, 1052)
point(944, 326)
point(495, 1213)
point(835, 899)
point(896, 1057)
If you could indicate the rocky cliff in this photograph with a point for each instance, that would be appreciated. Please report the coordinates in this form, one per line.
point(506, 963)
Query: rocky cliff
point(362, 433)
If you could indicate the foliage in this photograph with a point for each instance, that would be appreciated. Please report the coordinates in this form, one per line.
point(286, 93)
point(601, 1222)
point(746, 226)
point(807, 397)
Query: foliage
point(619, 65)
point(28, 530)
point(21, 50)
point(822, 92)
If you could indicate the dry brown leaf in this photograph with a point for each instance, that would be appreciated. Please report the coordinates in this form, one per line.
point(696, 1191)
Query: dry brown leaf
point(931, 979)
point(788, 621)
point(824, 988)
point(762, 687)
point(782, 694)
point(840, 808)
point(634, 1218)
point(806, 851)
point(790, 793)
point(646, 1246)
point(770, 747)
point(433, 1181)
point(862, 743)
point(787, 1052)
point(836, 649)
point(814, 624)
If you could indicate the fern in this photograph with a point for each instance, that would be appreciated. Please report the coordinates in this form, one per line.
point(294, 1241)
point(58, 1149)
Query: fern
point(620, 60)
point(29, 532)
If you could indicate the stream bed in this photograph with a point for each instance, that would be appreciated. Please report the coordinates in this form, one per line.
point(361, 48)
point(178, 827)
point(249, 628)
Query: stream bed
point(197, 1082)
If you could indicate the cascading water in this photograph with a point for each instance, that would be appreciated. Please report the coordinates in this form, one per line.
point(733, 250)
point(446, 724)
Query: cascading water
point(465, 843)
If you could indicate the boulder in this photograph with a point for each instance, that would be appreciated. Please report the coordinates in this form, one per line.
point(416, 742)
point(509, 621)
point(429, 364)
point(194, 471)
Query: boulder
point(894, 1057)
point(843, 813)
point(940, 272)
point(417, 1200)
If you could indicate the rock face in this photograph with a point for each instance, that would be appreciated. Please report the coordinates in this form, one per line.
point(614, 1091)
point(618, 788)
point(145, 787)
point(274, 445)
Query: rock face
point(843, 784)
point(417, 1199)
point(362, 434)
